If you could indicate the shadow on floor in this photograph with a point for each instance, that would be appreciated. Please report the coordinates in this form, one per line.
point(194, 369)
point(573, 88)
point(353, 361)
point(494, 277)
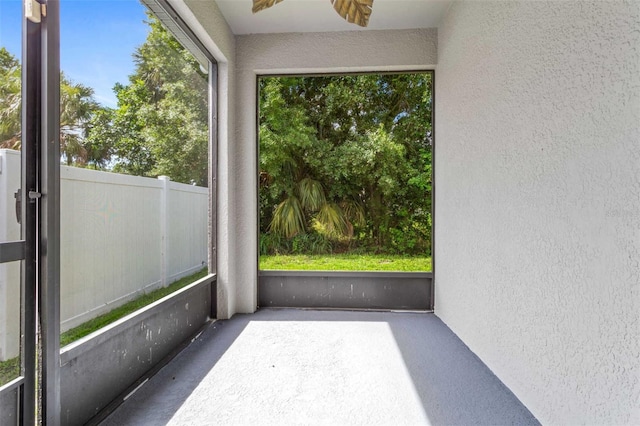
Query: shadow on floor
point(324, 367)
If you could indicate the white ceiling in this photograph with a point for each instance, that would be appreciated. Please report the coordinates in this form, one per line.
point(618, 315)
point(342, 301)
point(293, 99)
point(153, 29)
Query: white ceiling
point(319, 15)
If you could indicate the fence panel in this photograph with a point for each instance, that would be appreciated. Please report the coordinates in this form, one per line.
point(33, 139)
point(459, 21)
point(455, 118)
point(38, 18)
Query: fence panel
point(120, 236)
point(186, 230)
point(9, 272)
point(110, 241)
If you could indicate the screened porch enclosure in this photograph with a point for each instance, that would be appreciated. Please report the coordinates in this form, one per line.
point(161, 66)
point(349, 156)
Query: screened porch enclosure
point(534, 290)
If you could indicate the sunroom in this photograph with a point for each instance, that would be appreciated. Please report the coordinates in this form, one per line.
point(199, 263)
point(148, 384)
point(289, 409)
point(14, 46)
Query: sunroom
point(529, 315)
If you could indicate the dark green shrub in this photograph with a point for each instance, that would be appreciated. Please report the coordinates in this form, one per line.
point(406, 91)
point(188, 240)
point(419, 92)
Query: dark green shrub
point(271, 244)
point(310, 243)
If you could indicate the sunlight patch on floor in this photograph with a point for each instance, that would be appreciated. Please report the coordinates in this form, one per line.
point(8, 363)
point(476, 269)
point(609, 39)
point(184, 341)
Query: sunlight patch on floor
point(306, 372)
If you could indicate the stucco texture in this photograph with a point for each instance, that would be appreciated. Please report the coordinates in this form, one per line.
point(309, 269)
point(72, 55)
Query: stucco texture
point(538, 200)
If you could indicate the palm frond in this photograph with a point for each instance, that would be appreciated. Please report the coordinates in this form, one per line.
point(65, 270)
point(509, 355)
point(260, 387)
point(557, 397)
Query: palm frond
point(288, 218)
point(289, 168)
point(332, 220)
point(311, 194)
point(354, 11)
point(14, 143)
point(354, 212)
point(259, 5)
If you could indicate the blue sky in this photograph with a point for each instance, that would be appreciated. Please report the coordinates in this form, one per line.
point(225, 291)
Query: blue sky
point(97, 39)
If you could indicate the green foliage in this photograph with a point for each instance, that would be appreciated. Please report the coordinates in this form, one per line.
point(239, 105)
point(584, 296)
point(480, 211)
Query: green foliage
point(346, 262)
point(311, 194)
point(355, 151)
point(10, 99)
point(78, 109)
point(98, 144)
point(9, 370)
point(331, 222)
point(288, 219)
point(310, 242)
point(272, 244)
point(160, 126)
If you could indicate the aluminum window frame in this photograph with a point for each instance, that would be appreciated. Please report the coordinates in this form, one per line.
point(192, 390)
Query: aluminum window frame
point(39, 250)
point(432, 73)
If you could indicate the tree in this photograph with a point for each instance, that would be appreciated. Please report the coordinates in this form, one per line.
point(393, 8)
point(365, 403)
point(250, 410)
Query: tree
point(77, 108)
point(10, 100)
point(357, 147)
point(160, 126)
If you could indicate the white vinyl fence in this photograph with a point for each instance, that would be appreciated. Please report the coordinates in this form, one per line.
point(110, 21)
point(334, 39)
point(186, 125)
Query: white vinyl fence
point(120, 236)
point(9, 272)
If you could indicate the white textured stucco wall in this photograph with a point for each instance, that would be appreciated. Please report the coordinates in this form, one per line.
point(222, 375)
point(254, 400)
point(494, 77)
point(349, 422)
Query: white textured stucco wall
point(301, 53)
point(538, 200)
point(208, 23)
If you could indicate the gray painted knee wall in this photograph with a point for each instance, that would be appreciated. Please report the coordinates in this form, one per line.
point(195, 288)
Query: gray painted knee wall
point(8, 405)
point(345, 290)
point(98, 368)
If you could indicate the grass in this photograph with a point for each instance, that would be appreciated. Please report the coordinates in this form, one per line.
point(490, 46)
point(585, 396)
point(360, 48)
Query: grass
point(124, 310)
point(345, 262)
point(9, 370)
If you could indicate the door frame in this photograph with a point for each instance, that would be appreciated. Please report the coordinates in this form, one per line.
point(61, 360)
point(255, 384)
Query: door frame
point(39, 248)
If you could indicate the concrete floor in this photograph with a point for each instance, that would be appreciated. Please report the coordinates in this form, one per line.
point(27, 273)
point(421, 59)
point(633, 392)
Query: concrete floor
point(279, 367)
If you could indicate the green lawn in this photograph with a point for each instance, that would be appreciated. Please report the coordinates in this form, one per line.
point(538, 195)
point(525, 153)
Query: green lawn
point(345, 262)
point(9, 370)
